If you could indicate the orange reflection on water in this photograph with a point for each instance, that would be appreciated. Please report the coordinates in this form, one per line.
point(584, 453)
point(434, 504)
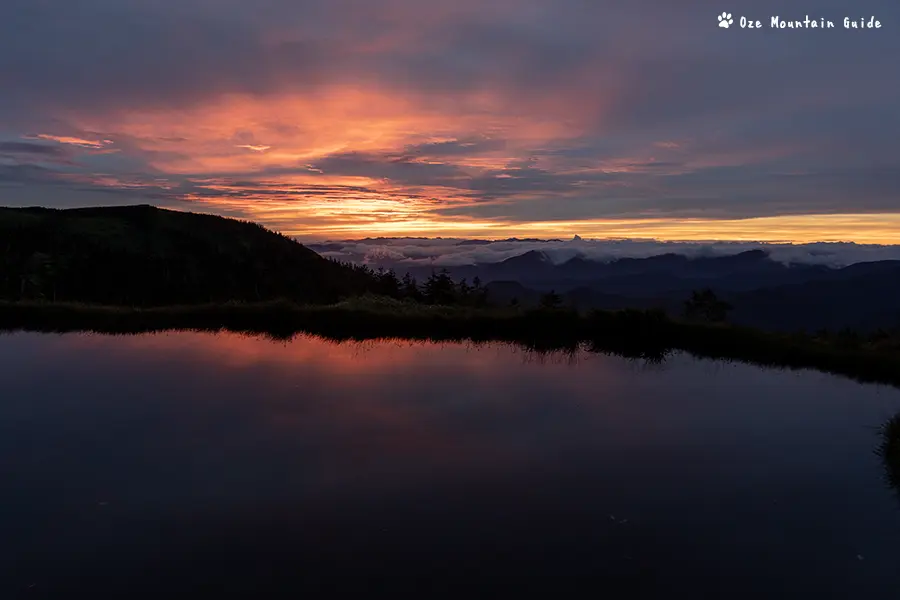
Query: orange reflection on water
point(236, 351)
point(370, 399)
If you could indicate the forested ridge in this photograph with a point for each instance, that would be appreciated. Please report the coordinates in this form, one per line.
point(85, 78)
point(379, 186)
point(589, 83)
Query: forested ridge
point(146, 256)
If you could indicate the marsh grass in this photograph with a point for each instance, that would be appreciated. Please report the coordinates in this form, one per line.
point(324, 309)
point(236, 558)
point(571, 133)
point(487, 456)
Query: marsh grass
point(646, 335)
point(889, 451)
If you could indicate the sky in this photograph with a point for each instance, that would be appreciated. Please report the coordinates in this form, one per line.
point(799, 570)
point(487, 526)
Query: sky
point(337, 119)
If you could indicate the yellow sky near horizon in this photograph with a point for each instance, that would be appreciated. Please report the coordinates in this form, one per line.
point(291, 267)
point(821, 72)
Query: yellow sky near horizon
point(799, 229)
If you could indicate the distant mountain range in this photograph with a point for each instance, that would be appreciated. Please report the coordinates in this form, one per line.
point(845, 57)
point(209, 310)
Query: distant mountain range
point(765, 293)
point(640, 276)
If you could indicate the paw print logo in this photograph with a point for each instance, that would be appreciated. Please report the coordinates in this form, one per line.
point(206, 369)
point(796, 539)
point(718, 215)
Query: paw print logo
point(725, 20)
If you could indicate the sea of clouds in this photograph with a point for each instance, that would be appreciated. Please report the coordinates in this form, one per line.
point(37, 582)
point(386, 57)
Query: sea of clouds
point(454, 252)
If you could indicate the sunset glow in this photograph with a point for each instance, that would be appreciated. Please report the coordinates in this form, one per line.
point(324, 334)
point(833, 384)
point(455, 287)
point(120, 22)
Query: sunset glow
point(346, 119)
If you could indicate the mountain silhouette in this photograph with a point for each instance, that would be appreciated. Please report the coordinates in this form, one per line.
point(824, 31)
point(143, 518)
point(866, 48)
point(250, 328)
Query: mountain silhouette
point(765, 293)
point(638, 277)
point(144, 256)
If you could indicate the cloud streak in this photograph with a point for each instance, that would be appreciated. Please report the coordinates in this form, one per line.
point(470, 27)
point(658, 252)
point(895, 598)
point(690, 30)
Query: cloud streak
point(75, 141)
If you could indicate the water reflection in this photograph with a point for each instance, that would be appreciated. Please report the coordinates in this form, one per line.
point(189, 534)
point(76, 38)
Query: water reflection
point(216, 463)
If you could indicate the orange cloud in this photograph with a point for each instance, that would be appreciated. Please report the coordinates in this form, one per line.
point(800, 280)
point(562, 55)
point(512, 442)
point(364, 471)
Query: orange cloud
point(271, 159)
point(292, 133)
point(304, 127)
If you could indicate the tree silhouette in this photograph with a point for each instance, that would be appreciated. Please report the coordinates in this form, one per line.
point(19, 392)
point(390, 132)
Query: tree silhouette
point(464, 292)
point(409, 288)
point(551, 300)
point(704, 305)
point(479, 293)
point(439, 288)
point(387, 283)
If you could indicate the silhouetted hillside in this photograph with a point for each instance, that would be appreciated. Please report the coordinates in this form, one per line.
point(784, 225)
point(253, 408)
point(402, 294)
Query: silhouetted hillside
point(860, 297)
point(145, 256)
point(767, 295)
point(652, 277)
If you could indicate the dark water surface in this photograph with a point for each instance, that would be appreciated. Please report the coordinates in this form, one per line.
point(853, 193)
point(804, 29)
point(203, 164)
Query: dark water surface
point(198, 465)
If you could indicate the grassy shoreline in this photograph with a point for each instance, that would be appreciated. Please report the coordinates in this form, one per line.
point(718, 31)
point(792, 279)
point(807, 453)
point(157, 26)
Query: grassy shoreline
point(639, 334)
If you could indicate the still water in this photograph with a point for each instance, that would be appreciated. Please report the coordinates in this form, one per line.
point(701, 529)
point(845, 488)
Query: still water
point(199, 465)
